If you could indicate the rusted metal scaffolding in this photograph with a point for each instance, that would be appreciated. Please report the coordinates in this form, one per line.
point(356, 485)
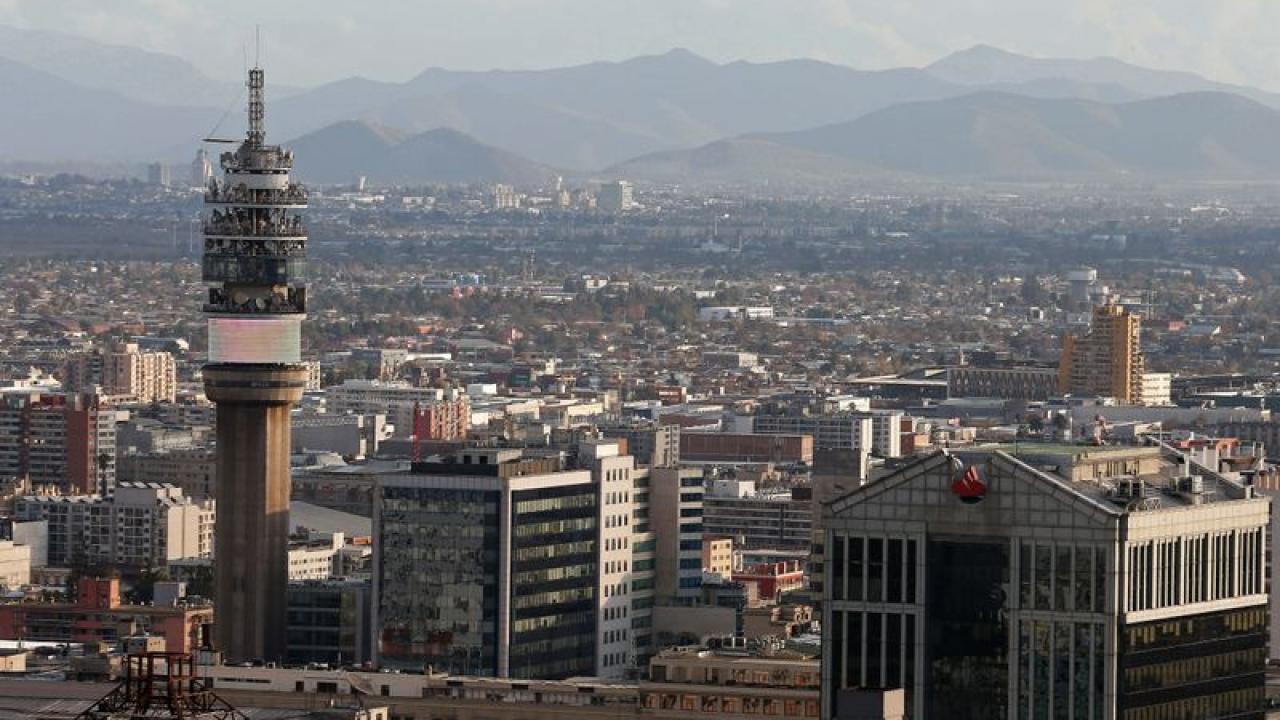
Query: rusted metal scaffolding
point(162, 685)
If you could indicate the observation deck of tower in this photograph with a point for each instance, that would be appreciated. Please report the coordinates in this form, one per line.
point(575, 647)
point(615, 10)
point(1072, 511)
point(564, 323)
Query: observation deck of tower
point(254, 260)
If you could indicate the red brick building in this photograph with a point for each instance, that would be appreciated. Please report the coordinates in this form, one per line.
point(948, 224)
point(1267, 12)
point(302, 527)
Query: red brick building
point(773, 578)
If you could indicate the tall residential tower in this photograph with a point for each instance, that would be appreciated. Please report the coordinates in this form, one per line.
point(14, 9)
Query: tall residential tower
point(1108, 360)
point(254, 251)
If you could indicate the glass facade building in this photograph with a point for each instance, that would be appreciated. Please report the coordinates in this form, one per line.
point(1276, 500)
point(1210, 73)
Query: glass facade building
point(439, 554)
point(487, 568)
point(553, 582)
point(1033, 596)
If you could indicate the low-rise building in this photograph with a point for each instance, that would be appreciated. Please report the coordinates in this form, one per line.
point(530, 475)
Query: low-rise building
point(702, 682)
point(697, 447)
point(98, 615)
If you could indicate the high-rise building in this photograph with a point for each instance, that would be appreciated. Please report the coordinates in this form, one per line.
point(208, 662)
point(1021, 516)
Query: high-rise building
point(201, 169)
point(505, 197)
point(1118, 582)
point(675, 501)
point(159, 174)
point(1107, 361)
point(67, 441)
point(254, 251)
point(487, 564)
point(614, 474)
point(616, 197)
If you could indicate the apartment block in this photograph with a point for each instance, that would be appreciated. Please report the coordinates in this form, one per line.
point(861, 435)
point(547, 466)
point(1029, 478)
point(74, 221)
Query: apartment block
point(140, 525)
point(66, 441)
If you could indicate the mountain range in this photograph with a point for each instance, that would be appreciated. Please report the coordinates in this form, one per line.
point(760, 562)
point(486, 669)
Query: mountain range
point(981, 111)
point(351, 148)
point(1000, 135)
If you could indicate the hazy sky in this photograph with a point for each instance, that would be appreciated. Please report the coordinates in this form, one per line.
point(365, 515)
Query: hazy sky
point(312, 41)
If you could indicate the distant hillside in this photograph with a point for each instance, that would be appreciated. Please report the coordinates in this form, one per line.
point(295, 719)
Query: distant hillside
point(72, 99)
point(989, 67)
point(589, 116)
point(1201, 135)
point(744, 160)
point(48, 119)
point(136, 74)
point(344, 151)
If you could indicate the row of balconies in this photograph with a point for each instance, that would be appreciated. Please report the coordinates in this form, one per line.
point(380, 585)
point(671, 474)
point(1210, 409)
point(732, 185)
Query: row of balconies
point(266, 247)
point(229, 224)
point(266, 157)
point(223, 193)
point(293, 300)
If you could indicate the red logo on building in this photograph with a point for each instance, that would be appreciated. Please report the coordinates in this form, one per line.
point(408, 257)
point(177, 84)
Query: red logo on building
point(969, 486)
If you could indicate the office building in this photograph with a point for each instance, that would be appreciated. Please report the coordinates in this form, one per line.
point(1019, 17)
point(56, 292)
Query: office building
point(1107, 360)
point(615, 197)
point(761, 521)
point(159, 174)
point(329, 622)
point(255, 248)
point(65, 441)
point(351, 436)
point(830, 431)
point(1157, 389)
point(201, 169)
point(651, 444)
point(440, 414)
point(614, 475)
point(194, 470)
point(315, 555)
point(487, 564)
point(139, 525)
point(675, 508)
point(1126, 583)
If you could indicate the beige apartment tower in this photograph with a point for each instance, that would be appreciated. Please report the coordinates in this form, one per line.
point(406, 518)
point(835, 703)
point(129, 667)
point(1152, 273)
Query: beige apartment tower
point(1107, 361)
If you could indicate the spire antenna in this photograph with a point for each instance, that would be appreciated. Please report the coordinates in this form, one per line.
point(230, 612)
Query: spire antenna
point(257, 133)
